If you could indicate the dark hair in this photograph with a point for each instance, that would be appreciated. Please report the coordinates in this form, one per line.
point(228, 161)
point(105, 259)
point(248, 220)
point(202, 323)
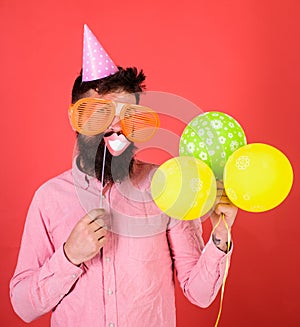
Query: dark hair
point(128, 80)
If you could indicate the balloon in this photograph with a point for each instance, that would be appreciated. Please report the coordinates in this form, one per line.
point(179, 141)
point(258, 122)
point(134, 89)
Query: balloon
point(212, 137)
point(184, 188)
point(257, 177)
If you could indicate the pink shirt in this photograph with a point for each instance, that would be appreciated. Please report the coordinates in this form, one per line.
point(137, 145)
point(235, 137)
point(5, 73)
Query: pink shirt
point(130, 282)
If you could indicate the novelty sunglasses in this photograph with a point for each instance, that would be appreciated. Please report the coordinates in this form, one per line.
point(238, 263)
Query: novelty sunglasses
point(92, 116)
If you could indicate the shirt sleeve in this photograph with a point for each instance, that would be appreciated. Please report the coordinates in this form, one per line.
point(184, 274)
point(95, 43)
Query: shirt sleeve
point(200, 269)
point(43, 275)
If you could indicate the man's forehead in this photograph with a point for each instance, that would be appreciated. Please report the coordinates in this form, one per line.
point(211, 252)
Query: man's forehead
point(121, 96)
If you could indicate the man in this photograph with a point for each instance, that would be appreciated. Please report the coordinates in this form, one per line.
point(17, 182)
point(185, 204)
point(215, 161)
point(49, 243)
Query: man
point(112, 266)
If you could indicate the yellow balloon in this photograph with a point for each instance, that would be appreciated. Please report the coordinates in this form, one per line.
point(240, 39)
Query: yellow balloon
point(257, 177)
point(184, 188)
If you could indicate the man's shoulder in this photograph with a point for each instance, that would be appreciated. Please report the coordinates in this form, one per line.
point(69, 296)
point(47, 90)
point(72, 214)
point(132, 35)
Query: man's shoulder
point(61, 180)
point(142, 173)
point(142, 167)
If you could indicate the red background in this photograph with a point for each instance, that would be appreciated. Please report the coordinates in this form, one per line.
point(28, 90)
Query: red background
point(240, 57)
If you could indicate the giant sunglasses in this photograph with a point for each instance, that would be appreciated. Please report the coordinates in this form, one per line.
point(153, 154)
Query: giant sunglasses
point(92, 116)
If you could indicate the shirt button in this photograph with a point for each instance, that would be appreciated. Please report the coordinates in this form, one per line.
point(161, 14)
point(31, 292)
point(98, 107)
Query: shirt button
point(111, 325)
point(107, 259)
point(110, 291)
point(74, 276)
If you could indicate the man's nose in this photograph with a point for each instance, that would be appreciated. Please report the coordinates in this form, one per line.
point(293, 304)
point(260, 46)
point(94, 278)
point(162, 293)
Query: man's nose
point(115, 124)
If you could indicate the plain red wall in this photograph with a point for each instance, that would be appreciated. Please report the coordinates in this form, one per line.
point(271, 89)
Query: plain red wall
point(240, 57)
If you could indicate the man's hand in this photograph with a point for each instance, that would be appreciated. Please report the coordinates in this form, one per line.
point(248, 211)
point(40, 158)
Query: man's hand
point(86, 238)
point(226, 208)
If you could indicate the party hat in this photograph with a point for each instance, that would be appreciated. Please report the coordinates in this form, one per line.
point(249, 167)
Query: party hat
point(96, 63)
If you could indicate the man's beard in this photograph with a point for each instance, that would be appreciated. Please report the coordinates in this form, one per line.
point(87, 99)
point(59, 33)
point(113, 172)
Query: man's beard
point(90, 159)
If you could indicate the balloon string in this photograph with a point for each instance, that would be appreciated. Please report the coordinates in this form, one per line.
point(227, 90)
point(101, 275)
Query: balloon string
point(102, 177)
point(226, 265)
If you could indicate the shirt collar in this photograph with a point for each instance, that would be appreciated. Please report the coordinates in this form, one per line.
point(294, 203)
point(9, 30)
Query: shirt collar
point(82, 179)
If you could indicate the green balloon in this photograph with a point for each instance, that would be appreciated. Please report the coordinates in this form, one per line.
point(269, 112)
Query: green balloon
point(212, 137)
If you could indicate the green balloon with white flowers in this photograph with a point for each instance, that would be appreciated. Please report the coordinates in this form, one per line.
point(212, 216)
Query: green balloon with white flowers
point(212, 137)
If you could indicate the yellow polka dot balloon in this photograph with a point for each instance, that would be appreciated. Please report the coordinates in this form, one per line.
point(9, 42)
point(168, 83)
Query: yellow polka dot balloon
point(184, 188)
point(257, 177)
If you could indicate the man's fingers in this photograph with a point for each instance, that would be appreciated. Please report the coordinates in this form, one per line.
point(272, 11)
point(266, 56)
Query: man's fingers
point(93, 220)
point(102, 241)
point(220, 208)
point(223, 200)
point(224, 208)
point(97, 225)
point(96, 213)
point(222, 197)
point(100, 233)
point(93, 215)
